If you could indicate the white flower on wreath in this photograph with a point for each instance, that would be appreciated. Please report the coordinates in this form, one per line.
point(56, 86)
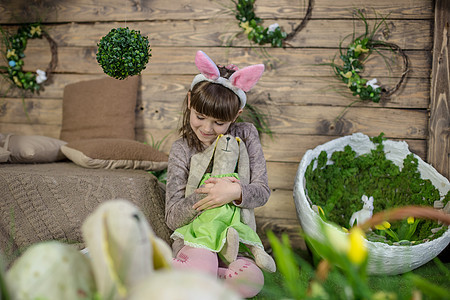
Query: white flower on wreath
point(41, 76)
point(372, 83)
point(273, 27)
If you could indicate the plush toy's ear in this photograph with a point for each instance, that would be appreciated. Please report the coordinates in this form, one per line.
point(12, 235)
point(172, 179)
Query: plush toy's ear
point(247, 77)
point(206, 66)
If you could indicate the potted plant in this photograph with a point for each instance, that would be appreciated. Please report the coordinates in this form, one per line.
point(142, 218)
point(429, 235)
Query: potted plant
point(388, 256)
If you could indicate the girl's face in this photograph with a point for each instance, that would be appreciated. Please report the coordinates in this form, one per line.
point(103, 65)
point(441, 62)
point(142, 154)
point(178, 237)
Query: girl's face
point(207, 129)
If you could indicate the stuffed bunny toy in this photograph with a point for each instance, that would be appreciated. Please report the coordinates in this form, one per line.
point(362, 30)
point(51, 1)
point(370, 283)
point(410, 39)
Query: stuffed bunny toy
point(229, 158)
point(123, 248)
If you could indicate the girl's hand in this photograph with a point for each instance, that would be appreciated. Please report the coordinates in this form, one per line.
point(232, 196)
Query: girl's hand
point(220, 191)
point(212, 179)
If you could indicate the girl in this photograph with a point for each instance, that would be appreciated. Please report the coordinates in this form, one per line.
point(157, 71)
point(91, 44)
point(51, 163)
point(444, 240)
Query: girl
point(211, 107)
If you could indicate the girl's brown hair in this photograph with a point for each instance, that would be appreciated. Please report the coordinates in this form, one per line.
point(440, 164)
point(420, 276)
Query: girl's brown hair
point(212, 100)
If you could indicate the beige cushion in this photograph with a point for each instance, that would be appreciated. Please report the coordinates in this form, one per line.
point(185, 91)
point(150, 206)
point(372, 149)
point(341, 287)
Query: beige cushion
point(4, 155)
point(102, 108)
point(31, 148)
point(115, 154)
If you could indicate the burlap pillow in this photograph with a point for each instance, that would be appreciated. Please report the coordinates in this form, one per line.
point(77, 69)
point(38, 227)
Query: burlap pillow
point(31, 148)
point(115, 154)
point(4, 155)
point(102, 108)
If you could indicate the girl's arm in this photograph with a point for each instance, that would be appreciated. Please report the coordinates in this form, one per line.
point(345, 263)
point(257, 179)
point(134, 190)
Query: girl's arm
point(257, 192)
point(179, 209)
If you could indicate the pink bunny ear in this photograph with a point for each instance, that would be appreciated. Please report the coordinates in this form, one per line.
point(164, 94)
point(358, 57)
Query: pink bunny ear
point(206, 66)
point(247, 77)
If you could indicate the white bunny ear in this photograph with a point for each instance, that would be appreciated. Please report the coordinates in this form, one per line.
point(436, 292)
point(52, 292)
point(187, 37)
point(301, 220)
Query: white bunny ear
point(206, 66)
point(247, 77)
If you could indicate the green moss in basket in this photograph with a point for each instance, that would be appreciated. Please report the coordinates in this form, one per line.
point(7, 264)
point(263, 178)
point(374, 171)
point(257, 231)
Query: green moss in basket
point(338, 187)
point(123, 52)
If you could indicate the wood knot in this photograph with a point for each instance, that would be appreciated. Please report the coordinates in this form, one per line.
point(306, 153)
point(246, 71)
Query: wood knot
point(335, 127)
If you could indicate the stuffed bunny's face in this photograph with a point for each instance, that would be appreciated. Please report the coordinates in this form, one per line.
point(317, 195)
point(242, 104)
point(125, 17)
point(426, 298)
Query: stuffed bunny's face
point(226, 155)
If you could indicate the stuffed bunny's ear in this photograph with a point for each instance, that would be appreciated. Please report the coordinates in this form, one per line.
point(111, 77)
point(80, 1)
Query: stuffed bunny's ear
point(247, 77)
point(206, 66)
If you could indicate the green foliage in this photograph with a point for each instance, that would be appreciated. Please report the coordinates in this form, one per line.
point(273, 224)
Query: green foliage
point(4, 293)
point(160, 175)
point(14, 54)
point(254, 115)
point(287, 264)
point(337, 187)
point(123, 52)
point(252, 25)
point(354, 56)
point(352, 66)
point(336, 277)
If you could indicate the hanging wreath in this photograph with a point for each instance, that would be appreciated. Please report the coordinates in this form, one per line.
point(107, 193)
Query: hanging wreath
point(257, 33)
point(353, 58)
point(14, 55)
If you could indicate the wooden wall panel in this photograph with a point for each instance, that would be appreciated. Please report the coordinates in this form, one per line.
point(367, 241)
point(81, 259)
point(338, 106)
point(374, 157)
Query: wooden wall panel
point(295, 62)
point(304, 120)
point(408, 34)
point(51, 11)
point(172, 88)
point(439, 135)
point(297, 92)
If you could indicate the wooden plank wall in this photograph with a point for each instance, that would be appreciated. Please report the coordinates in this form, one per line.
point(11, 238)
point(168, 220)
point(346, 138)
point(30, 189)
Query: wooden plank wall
point(300, 96)
point(439, 128)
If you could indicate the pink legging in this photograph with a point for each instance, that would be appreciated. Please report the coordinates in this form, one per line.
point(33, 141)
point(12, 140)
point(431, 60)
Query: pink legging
point(242, 275)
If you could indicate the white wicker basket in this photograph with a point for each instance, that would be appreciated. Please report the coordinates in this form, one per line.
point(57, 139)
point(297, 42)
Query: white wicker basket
point(383, 258)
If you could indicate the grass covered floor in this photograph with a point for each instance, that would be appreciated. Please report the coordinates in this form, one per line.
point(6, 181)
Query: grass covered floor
point(396, 284)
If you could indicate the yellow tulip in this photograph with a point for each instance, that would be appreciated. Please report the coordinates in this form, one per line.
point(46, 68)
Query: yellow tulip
point(383, 226)
point(357, 251)
point(410, 220)
point(379, 227)
point(321, 212)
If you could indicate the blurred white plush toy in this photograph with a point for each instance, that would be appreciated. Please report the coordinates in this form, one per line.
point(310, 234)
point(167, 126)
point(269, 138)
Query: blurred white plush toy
point(122, 247)
point(365, 213)
point(182, 284)
point(126, 260)
point(49, 270)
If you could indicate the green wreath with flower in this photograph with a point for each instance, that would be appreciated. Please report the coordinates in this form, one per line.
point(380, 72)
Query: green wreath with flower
point(252, 25)
point(15, 46)
point(354, 57)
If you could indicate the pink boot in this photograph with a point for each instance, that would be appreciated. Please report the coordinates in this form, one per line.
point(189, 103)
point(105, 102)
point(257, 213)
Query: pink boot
point(243, 276)
point(196, 259)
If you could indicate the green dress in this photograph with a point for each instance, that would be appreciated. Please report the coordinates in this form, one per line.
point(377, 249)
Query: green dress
point(209, 229)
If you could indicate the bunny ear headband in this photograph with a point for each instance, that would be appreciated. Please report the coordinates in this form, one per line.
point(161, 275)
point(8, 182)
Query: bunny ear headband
point(239, 82)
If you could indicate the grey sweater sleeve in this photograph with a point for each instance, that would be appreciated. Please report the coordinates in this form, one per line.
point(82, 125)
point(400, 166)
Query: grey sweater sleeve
point(257, 192)
point(179, 209)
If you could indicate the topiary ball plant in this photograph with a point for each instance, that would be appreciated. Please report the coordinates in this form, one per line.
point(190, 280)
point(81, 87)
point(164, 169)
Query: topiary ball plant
point(123, 52)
